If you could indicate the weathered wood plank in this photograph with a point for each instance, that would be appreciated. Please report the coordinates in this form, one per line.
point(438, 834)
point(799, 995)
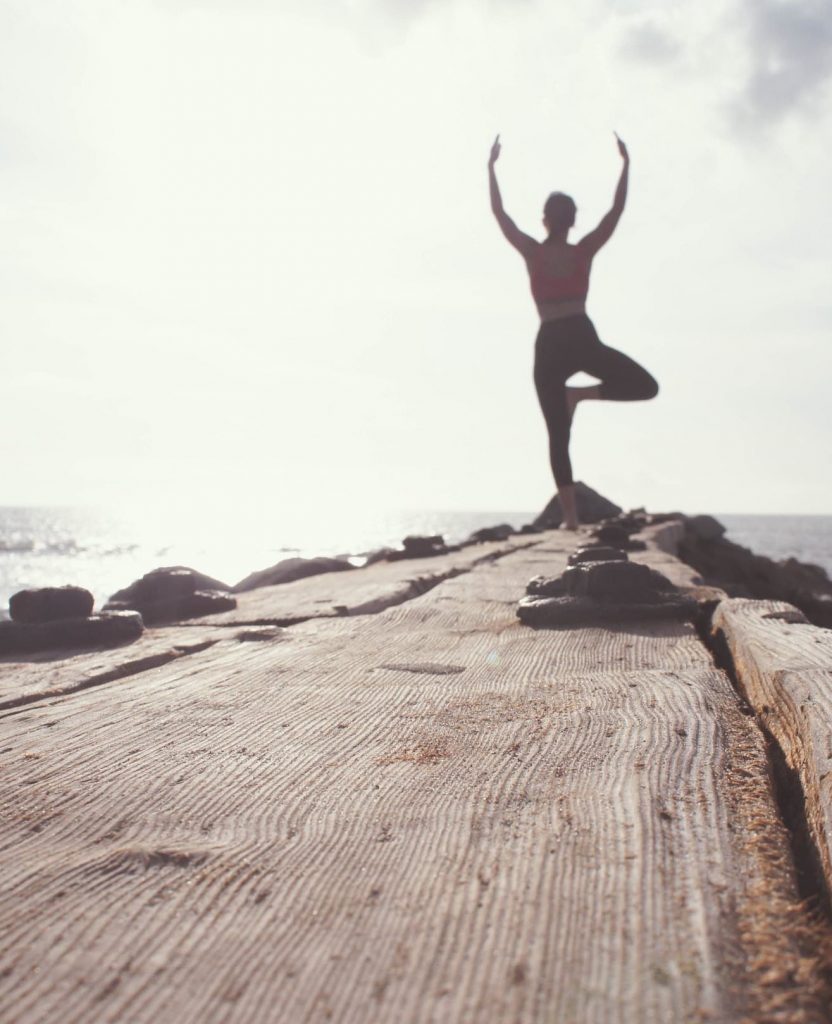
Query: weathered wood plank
point(432, 814)
point(360, 592)
point(784, 665)
point(25, 678)
point(363, 591)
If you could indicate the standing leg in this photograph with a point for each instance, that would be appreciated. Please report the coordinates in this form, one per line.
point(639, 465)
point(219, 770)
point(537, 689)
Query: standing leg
point(550, 375)
point(575, 395)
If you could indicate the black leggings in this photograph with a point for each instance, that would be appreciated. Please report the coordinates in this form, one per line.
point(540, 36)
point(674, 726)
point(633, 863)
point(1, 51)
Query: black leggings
point(563, 347)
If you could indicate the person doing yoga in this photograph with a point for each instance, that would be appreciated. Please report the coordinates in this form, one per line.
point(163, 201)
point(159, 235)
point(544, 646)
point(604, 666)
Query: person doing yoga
point(567, 342)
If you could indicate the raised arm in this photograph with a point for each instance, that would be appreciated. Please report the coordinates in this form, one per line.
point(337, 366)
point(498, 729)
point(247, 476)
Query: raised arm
point(601, 235)
point(523, 243)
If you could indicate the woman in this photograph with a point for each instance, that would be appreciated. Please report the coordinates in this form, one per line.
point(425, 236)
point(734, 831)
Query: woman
point(566, 341)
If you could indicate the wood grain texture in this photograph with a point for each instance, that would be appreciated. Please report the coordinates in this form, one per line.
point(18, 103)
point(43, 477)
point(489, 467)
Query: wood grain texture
point(784, 665)
point(363, 591)
point(369, 590)
point(431, 814)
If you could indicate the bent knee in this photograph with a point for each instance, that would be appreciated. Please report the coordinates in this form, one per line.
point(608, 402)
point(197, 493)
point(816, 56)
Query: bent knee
point(650, 389)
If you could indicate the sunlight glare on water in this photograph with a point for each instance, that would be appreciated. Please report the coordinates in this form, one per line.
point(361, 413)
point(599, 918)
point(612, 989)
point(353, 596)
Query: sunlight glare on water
point(105, 549)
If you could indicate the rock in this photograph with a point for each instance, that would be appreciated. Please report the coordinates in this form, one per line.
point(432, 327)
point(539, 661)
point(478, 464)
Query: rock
point(172, 593)
point(530, 528)
point(612, 534)
point(597, 553)
point(616, 581)
point(582, 611)
point(177, 608)
point(818, 609)
point(378, 555)
point(603, 592)
point(808, 571)
point(291, 569)
point(630, 521)
point(657, 518)
point(501, 532)
point(616, 536)
point(592, 508)
point(48, 604)
point(105, 630)
point(742, 573)
point(166, 582)
point(546, 586)
point(421, 547)
point(706, 527)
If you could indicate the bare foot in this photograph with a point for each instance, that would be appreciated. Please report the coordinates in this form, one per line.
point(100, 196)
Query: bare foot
point(568, 526)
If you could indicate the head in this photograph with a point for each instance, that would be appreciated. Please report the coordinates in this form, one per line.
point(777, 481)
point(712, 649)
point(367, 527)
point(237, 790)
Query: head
point(559, 212)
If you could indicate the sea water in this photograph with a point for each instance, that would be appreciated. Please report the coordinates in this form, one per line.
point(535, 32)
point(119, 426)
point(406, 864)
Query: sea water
point(105, 550)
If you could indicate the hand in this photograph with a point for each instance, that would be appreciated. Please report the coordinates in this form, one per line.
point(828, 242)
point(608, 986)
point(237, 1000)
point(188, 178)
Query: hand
point(622, 149)
point(495, 152)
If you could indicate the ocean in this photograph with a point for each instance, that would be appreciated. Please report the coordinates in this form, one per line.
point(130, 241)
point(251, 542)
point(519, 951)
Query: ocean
point(105, 550)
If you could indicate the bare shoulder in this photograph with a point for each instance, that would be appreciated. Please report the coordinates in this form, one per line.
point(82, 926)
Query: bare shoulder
point(588, 246)
point(531, 249)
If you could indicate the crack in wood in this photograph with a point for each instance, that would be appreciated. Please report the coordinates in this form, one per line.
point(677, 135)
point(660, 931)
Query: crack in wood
point(123, 671)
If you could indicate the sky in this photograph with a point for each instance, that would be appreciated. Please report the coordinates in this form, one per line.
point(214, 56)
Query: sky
point(247, 256)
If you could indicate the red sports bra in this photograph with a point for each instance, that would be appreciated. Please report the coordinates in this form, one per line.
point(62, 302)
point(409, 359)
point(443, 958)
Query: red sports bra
point(548, 287)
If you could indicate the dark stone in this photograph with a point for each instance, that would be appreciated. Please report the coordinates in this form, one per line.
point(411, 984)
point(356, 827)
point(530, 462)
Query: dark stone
point(105, 630)
point(592, 508)
point(657, 518)
point(616, 581)
point(208, 602)
point(421, 547)
point(598, 553)
point(291, 569)
point(172, 593)
point(818, 609)
point(628, 521)
point(48, 604)
point(501, 532)
point(614, 535)
point(165, 583)
point(378, 555)
point(530, 528)
point(603, 592)
point(583, 611)
point(742, 573)
point(705, 527)
point(546, 586)
point(185, 606)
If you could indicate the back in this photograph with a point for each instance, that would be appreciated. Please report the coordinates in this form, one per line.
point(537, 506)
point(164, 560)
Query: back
point(559, 278)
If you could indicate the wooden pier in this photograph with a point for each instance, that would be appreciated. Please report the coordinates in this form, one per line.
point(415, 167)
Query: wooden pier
point(375, 796)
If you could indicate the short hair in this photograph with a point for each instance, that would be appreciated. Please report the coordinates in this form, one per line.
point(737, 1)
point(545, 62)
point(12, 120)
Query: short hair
point(559, 210)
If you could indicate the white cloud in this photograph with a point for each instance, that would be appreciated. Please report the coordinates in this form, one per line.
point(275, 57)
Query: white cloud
point(790, 59)
point(649, 42)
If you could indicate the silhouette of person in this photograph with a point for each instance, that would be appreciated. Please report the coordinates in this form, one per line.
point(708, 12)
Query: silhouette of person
point(567, 342)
